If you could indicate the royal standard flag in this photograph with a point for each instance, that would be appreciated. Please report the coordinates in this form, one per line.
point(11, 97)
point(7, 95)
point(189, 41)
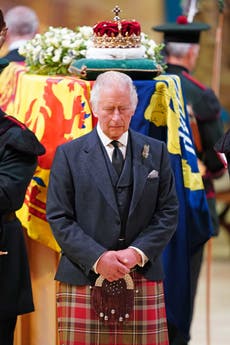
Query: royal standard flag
point(161, 114)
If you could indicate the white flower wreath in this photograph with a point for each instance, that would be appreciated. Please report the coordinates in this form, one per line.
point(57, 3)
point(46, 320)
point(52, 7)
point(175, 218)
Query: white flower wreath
point(52, 52)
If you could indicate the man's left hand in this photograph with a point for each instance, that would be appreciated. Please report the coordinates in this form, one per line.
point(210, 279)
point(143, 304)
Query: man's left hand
point(129, 257)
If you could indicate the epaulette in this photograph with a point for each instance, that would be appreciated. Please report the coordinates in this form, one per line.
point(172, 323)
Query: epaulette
point(19, 137)
point(193, 80)
point(206, 105)
point(6, 122)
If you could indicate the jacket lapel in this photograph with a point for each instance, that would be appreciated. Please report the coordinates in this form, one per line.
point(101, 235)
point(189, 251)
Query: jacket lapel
point(140, 170)
point(96, 164)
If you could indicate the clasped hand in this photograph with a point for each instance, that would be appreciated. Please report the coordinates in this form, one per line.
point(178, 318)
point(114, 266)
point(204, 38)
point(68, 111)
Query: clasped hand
point(114, 265)
point(3, 253)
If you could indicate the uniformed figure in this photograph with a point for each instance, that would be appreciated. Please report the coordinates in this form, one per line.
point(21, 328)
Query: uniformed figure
point(181, 51)
point(19, 149)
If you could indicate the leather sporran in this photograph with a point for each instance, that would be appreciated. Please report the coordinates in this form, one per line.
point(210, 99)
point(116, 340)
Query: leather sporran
point(113, 301)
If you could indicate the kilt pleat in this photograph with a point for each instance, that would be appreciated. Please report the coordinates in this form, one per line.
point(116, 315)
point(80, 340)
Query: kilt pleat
point(79, 325)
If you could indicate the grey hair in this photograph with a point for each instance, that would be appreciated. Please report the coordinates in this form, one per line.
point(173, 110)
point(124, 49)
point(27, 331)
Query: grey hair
point(21, 21)
point(109, 78)
point(177, 49)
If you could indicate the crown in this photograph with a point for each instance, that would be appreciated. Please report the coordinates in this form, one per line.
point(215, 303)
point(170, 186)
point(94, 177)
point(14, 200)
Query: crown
point(117, 33)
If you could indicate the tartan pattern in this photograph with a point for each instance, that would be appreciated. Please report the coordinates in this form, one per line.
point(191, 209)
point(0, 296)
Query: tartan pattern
point(79, 325)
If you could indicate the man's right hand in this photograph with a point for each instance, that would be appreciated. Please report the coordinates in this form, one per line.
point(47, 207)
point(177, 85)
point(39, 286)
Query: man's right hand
point(110, 267)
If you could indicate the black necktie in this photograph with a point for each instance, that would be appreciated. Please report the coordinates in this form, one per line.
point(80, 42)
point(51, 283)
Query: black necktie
point(117, 157)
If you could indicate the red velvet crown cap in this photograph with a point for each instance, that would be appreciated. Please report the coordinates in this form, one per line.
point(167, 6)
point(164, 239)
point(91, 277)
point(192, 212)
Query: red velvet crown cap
point(113, 28)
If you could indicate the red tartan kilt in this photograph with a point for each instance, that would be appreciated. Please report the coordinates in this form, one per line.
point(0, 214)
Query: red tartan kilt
point(79, 325)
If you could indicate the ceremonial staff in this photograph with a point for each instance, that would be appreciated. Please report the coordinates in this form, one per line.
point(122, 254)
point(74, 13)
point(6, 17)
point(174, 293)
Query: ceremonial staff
point(218, 49)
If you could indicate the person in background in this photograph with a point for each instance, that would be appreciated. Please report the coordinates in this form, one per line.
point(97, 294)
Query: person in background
point(112, 207)
point(19, 149)
point(182, 47)
point(22, 23)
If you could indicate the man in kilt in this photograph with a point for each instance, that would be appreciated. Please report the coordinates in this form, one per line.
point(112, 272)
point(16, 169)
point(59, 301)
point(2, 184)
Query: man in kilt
point(112, 225)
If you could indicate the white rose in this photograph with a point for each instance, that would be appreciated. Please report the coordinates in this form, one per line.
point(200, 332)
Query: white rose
point(57, 55)
point(67, 60)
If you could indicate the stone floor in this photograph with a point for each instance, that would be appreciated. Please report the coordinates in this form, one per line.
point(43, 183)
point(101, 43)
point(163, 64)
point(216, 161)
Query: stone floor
point(219, 320)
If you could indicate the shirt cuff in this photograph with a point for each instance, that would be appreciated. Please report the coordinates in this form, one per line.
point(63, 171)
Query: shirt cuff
point(95, 265)
point(144, 258)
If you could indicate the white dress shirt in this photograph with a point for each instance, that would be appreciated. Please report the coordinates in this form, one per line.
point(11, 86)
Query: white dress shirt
point(123, 141)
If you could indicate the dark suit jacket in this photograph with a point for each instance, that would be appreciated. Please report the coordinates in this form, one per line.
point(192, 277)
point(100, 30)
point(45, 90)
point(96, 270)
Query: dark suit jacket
point(82, 209)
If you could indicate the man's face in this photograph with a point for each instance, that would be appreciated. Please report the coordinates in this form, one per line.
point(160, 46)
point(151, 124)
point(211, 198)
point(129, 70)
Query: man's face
point(114, 111)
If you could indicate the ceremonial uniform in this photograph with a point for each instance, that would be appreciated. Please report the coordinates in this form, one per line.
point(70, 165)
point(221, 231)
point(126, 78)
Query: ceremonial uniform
point(181, 50)
point(19, 149)
point(207, 128)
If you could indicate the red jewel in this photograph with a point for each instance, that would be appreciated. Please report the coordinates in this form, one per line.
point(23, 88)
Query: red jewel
point(182, 20)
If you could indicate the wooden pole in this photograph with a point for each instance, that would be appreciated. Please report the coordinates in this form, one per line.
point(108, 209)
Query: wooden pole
point(216, 89)
point(218, 55)
point(208, 291)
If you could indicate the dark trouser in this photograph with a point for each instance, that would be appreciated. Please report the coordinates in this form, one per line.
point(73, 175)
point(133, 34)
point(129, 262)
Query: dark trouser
point(175, 338)
point(7, 331)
